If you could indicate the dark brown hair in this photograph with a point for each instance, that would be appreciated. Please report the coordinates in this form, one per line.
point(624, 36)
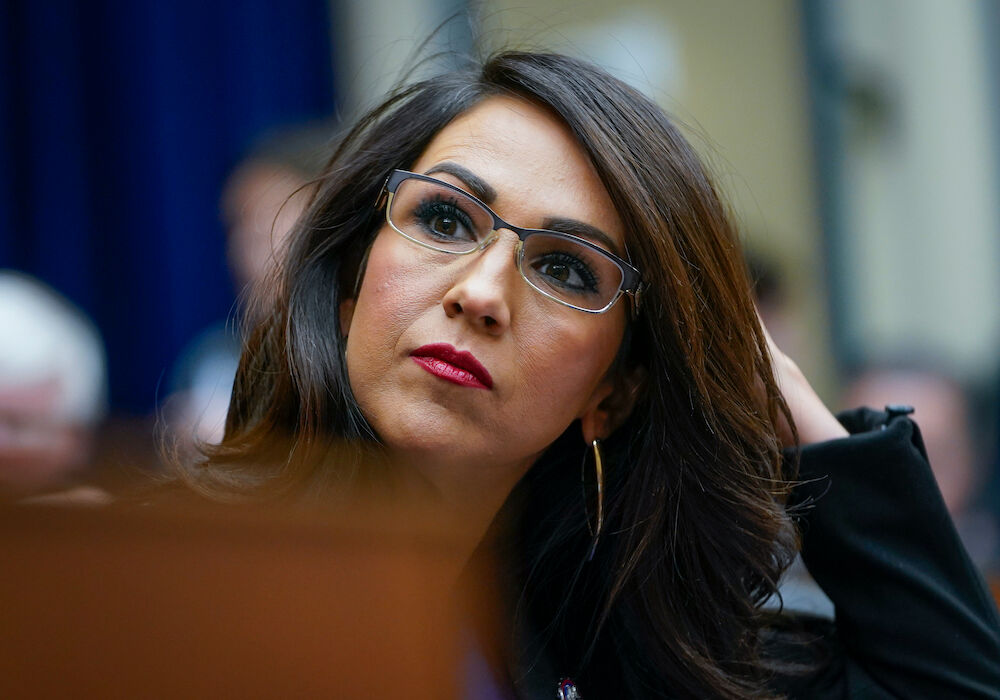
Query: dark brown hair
point(696, 533)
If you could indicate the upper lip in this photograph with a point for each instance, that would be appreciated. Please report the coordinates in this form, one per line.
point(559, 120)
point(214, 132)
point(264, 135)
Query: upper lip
point(460, 358)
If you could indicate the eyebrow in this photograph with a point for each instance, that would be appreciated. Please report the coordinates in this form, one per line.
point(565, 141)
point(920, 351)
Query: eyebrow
point(479, 187)
point(487, 194)
point(583, 230)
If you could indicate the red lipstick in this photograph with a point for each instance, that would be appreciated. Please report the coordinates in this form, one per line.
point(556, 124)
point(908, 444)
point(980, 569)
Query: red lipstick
point(457, 366)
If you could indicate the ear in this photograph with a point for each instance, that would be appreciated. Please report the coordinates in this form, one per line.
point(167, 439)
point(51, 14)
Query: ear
point(346, 315)
point(610, 404)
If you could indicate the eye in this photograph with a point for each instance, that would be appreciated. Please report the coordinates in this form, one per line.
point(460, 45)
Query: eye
point(566, 271)
point(444, 220)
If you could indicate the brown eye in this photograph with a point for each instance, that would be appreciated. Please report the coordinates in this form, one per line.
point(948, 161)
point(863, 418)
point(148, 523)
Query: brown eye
point(444, 226)
point(556, 271)
point(564, 271)
point(443, 221)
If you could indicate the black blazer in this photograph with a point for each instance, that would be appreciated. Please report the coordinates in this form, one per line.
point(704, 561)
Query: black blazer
point(913, 616)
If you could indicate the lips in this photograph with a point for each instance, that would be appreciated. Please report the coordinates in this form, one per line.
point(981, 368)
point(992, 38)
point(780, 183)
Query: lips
point(456, 366)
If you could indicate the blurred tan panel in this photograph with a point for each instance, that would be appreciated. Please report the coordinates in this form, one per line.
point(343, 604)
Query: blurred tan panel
point(920, 181)
point(378, 42)
point(224, 603)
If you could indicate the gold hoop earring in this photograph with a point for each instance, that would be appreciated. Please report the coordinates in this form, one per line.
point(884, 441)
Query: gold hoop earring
point(598, 524)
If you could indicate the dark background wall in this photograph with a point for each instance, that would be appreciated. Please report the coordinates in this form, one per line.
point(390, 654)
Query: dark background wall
point(118, 123)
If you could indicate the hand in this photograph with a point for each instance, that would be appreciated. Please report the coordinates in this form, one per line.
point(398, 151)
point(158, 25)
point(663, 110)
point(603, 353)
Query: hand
point(813, 419)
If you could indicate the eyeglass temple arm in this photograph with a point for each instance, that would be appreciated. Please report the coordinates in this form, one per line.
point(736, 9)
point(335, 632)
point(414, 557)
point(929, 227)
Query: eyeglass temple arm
point(636, 294)
point(636, 298)
point(383, 194)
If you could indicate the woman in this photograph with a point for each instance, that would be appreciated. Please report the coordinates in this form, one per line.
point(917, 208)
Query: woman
point(604, 320)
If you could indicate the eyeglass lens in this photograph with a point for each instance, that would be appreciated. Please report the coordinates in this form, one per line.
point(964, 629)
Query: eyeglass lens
point(444, 219)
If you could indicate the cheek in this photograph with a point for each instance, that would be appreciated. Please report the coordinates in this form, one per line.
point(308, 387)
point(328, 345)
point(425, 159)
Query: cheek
point(394, 290)
point(567, 363)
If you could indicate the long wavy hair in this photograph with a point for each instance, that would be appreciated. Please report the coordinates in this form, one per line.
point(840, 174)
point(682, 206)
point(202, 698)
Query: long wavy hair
point(696, 535)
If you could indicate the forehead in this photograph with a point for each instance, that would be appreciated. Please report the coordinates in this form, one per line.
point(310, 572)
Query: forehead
point(532, 160)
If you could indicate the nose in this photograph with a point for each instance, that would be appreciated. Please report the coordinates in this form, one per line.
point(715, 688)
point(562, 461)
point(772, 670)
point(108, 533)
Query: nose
point(482, 291)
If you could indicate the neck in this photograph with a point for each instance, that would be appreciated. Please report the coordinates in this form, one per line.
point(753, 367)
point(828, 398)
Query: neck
point(469, 495)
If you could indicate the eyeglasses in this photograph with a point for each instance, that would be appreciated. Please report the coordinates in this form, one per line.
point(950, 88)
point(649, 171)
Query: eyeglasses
point(565, 268)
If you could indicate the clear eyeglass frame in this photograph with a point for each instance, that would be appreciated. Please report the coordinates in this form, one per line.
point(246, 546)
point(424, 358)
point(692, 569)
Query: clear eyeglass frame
point(631, 279)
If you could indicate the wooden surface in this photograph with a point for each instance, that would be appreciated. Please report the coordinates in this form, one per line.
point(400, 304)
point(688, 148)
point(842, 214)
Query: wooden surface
point(225, 603)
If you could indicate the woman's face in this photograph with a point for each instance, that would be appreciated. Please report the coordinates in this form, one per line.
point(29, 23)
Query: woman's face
point(548, 362)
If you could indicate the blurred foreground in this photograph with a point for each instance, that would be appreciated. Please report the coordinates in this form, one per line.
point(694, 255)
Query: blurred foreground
point(196, 601)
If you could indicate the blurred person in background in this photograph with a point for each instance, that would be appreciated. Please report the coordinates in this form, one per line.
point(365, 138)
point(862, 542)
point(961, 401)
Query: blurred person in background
point(53, 390)
point(261, 199)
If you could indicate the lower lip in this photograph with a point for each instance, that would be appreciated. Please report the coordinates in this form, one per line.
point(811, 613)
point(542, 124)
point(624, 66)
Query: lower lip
point(449, 372)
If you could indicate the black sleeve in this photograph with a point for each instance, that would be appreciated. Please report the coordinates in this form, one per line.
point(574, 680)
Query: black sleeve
point(913, 616)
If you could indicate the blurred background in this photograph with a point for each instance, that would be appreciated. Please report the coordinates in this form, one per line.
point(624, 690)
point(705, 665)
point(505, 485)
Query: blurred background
point(148, 151)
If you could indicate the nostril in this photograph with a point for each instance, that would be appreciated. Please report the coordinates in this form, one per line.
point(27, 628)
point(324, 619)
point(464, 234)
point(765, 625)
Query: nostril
point(489, 321)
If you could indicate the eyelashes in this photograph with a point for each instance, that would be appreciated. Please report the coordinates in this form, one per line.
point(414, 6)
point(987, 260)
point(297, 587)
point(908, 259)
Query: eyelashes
point(549, 261)
point(567, 271)
point(439, 209)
